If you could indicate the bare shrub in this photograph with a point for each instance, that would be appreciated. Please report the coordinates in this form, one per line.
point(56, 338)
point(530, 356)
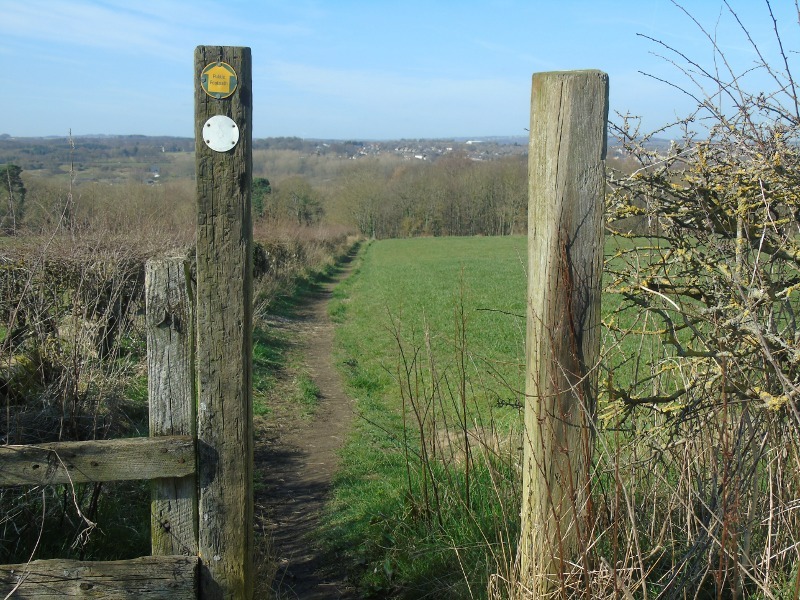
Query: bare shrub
point(162, 215)
point(70, 369)
point(699, 457)
point(287, 253)
point(69, 308)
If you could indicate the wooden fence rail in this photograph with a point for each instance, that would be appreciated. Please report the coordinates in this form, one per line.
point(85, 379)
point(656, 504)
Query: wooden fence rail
point(94, 461)
point(148, 578)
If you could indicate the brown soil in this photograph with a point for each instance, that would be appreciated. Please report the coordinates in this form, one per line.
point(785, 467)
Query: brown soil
point(296, 457)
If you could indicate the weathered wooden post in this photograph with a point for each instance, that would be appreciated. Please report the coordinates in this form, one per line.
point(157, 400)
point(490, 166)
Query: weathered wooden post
point(569, 111)
point(171, 389)
point(223, 147)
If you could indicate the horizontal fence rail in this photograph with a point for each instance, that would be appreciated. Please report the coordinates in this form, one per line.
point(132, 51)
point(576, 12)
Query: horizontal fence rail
point(146, 578)
point(128, 459)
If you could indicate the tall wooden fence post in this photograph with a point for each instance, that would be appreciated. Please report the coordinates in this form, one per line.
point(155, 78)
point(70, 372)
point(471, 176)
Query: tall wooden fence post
point(169, 299)
point(223, 147)
point(569, 111)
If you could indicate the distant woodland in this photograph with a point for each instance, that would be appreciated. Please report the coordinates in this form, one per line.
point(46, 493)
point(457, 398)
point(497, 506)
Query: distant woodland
point(381, 189)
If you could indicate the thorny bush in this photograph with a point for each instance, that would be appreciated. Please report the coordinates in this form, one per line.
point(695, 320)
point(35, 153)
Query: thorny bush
point(703, 377)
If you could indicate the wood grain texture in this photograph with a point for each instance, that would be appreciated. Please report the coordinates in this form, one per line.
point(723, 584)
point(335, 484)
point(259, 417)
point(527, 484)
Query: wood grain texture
point(148, 578)
point(224, 337)
point(569, 111)
point(170, 322)
point(103, 460)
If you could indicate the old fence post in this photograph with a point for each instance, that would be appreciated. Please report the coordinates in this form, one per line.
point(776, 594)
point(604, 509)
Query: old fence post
point(565, 257)
point(171, 389)
point(223, 142)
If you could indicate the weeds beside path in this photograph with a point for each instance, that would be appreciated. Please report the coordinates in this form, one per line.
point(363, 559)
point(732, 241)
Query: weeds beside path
point(302, 426)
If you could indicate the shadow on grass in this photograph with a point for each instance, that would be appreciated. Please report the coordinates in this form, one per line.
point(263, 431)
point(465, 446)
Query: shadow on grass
point(269, 351)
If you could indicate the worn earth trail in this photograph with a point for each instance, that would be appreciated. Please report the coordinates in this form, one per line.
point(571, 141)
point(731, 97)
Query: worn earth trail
point(296, 458)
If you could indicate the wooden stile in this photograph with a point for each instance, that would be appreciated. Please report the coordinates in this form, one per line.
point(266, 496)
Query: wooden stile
point(200, 453)
point(169, 459)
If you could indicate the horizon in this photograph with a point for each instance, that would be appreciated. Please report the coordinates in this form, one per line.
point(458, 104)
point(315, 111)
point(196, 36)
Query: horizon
point(460, 138)
point(359, 70)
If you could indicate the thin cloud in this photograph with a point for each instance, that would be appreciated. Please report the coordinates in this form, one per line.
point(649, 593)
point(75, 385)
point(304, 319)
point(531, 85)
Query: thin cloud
point(163, 30)
point(87, 25)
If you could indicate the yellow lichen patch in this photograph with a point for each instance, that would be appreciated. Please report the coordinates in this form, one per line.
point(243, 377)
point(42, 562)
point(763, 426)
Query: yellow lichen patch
point(770, 400)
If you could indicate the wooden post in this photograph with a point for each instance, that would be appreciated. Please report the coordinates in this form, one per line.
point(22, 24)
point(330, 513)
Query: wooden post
point(569, 111)
point(224, 324)
point(171, 389)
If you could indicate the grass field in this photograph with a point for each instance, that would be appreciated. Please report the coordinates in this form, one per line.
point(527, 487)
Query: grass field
point(411, 525)
point(425, 315)
point(419, 285)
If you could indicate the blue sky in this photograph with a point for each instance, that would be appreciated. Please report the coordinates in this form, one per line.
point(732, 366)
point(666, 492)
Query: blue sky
point(352, 69)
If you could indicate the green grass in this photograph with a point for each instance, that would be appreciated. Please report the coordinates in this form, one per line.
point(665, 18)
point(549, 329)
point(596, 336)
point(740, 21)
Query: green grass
point(269, 356)
point(137, 408)
point(307, 395)
point(408, 527)
point(418, 284)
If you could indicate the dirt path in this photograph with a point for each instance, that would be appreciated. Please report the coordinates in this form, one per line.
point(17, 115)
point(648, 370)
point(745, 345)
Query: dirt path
point(296, 457)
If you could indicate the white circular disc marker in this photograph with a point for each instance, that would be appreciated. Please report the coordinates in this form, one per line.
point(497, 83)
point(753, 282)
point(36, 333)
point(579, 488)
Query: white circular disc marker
point(220, 133)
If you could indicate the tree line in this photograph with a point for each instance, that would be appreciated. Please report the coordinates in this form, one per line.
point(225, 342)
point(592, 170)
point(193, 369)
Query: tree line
point(454, 195)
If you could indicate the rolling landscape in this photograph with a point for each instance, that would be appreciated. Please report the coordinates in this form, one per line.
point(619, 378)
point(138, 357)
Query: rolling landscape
point(558, 365)
point(428, 352)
